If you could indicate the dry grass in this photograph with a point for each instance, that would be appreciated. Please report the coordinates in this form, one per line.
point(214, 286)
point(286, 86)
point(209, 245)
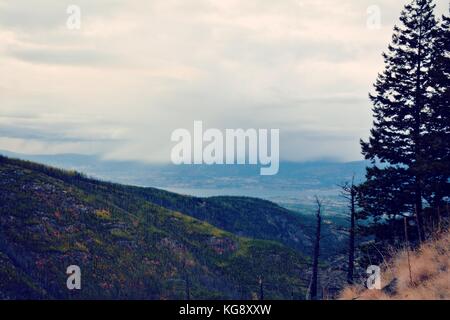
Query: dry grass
point(429, 278)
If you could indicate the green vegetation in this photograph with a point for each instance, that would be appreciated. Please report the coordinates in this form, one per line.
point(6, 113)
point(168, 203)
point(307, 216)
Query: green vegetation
point(130, 243)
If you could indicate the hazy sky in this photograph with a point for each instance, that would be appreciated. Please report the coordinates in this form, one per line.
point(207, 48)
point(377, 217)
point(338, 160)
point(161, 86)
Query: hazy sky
point(138, 69)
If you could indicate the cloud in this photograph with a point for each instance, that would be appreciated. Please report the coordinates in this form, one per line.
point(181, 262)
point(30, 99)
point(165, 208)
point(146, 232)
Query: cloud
point(137, 70)
point(43, 15)
point(39, 147)
point(62, 56)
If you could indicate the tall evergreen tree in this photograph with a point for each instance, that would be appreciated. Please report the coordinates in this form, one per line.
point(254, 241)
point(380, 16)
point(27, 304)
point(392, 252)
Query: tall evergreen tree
point(438, 136)
point(401, 109)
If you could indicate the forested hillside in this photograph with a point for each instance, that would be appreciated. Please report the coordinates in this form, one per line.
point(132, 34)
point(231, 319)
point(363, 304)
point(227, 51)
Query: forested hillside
point(125, 245)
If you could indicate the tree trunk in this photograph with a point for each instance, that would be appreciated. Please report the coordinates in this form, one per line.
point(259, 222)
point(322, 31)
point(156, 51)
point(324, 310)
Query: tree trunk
point(315, 271)
point(261, 289)
point(407, 250)
point(351, 249)
point(417, 138)
point(188, 289)
point(419, 221)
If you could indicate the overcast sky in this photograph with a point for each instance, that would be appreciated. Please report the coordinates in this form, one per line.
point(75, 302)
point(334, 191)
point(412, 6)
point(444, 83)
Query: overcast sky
point(138, 69)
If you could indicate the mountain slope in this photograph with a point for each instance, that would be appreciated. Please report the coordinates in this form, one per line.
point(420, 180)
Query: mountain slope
point(250, 217)
point(294, 187)
point(423, 274)
point(301, 176)
point(126, 246)
point(243, 216)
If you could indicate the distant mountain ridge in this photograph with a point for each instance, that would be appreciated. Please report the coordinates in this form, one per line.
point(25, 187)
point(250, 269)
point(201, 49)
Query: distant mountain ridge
point(320, 174)
point(293, 187)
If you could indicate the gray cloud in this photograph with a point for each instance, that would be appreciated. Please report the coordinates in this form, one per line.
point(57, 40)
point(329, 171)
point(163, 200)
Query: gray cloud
point(78, 57)
point(136, 70)
point(44, 15)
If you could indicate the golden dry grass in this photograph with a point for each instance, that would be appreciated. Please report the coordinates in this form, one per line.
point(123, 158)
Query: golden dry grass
point(429, 278)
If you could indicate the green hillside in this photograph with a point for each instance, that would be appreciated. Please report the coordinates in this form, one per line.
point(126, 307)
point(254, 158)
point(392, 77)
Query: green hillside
point(127, 245)
point(244, 216)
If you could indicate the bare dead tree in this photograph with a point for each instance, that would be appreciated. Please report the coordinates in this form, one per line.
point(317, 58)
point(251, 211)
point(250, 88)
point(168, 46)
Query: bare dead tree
point(405, 223)
point(261, 288)
point(419, 224)
point(349, 192)
point(439, 219)
point(315, 270)
point(187, 283)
